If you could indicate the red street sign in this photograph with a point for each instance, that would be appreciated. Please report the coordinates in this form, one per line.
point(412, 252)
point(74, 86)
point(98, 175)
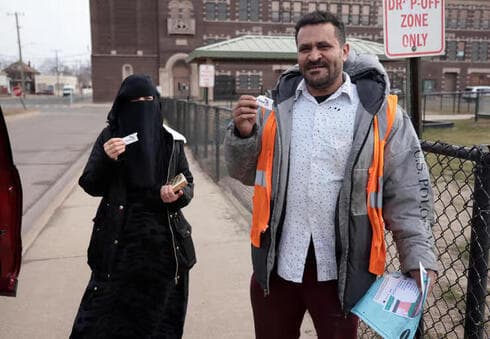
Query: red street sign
point(17, 91)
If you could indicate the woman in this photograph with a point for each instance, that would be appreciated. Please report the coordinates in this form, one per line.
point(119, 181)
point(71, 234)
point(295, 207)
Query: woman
point(140, 250)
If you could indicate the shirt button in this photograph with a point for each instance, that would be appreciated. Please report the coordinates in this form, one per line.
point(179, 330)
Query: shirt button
point(121, 207)
point(95, 288)
point(116, 242)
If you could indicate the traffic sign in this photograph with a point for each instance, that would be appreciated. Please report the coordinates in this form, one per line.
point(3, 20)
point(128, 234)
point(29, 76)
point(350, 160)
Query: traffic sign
point(206, 75)
point(17, 91)
point(413, 28)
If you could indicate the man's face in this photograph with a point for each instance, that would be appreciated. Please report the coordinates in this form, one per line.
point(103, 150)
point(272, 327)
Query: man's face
point(321, 58)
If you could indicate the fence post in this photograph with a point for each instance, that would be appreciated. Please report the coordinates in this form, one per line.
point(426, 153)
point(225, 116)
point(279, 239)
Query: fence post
point(454, 102)
point(206, 131)
point(195, 133)
point(217, 141)
point(459, 102)
point(479, 247)
point(477, 105)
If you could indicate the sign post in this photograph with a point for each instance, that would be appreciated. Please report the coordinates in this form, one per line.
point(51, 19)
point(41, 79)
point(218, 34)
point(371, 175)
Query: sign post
point(206, 79)
point(413, 29)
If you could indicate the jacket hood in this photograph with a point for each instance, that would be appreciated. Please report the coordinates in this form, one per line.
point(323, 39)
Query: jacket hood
point(365, 71)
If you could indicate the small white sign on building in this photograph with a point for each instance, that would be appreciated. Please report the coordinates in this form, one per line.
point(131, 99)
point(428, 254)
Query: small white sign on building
point(413, 28)
point(206, 75)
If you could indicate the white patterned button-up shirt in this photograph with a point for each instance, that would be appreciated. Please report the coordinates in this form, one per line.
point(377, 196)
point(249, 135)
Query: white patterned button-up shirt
point(321, 140)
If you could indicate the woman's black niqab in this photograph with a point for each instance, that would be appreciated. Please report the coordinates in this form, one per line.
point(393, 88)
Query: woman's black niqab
point(142, 164)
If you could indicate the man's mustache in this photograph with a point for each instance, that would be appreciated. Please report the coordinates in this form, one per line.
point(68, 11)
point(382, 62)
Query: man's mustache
point(315, 64)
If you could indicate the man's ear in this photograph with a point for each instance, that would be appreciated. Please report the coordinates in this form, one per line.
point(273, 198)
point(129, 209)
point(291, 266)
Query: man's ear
point(345, 51)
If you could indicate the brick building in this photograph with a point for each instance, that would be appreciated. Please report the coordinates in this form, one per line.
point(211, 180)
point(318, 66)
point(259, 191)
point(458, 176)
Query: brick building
point(156, 37)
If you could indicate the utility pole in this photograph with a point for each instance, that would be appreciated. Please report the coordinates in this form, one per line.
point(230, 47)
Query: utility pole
point(57, 86)
point(22, 78)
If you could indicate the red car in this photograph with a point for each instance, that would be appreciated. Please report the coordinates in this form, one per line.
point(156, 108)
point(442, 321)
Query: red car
point(10, 216)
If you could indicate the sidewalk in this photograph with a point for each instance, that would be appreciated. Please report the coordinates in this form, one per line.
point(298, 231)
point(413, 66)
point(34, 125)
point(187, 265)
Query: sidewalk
point(54, 271)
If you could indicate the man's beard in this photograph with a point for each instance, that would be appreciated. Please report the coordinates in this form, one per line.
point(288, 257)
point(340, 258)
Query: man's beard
point(324, 81)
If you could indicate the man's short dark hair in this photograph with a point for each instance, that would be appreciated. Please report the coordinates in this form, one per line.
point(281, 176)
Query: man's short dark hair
point(321, 17)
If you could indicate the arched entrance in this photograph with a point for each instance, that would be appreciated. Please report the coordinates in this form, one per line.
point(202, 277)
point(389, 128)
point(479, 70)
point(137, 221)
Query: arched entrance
point(177, 70)
point(181, 79)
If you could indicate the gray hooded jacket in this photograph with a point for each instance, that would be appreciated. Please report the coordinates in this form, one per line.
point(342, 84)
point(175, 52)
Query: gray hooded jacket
point(407, 196)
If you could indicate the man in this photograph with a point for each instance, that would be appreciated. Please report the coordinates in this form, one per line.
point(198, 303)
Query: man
point(312, 240)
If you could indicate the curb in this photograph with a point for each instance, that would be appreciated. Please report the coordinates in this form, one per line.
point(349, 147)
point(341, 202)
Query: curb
point(39, 214)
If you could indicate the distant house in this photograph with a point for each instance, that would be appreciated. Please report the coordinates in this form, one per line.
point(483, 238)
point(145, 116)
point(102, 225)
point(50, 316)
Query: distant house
point(14, 72)
point(53, 84)
point(4, 84)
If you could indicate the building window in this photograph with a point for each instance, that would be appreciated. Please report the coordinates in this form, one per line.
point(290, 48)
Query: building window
point(479, 51)
point(322, 7)
point(463, 15)
point(460, 50)
point(333, 8)
point(296, 10)
point(209, 12)
point(222, 11)
point(365, 15)
point(216, 10)
point(451, 50)
point(345, 14)
point(380, 16)
point(485, 22)
point(428, 85)
point(476, 19)
point(354, 17)
point(311, 7)
point(452, 18)
point(275, 16)
point(249, 10)
point(127, 70)
point(248, 81)
point(286, 11)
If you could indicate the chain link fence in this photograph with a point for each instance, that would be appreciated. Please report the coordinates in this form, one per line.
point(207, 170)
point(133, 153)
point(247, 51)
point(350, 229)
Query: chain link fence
point(459, 305)
point(454, 103)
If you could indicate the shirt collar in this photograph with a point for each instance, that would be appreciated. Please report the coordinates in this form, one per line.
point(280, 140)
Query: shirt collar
point(346, 88)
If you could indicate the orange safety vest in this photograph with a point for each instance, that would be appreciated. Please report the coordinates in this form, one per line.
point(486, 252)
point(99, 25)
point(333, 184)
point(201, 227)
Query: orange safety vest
point(263, 185)
point(263, 179)
point(374, 190)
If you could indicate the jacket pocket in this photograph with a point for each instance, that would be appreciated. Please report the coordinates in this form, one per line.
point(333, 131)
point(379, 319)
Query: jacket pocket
point(186, 254)
point(96, 253)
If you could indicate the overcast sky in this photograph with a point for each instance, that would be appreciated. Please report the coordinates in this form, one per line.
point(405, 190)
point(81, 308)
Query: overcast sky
point(46, 26)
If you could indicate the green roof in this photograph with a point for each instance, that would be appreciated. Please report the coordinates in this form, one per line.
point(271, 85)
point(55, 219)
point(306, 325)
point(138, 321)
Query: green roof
point(270, 47)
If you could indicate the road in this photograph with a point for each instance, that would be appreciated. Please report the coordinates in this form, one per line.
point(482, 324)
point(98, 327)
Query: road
point(48, 148)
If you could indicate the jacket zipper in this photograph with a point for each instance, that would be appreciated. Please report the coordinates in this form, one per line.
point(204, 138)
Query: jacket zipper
point(342, 302)
point(176, 276)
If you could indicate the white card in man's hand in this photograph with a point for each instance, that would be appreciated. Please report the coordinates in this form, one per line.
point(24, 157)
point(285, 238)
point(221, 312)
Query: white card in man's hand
point(265, 102)
point(129, 139)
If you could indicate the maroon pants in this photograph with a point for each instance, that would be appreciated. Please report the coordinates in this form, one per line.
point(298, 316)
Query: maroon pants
point(280, 314)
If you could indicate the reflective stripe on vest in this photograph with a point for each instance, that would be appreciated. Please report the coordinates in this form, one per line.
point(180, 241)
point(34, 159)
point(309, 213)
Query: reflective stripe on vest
point(263, 179)
point(374, 189)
